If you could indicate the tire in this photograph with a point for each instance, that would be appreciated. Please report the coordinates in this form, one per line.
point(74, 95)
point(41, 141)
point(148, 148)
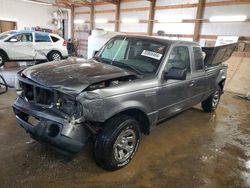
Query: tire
point(2, 59)
point(3, 85)
point(211, 103)
point(54, 56)
point(109, 152)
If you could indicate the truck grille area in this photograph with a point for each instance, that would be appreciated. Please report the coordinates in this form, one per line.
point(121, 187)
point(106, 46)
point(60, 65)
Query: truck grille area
point(37, 94)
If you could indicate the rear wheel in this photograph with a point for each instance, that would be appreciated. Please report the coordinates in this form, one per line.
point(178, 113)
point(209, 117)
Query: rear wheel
point(54, 56)
point(2, 59)
point(211, 103)
point(117, 143)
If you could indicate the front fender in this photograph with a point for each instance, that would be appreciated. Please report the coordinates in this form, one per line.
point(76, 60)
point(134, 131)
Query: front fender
point(98, 109)
point(114, 108)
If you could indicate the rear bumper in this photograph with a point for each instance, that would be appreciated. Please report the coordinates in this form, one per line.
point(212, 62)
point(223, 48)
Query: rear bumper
point(51, 128)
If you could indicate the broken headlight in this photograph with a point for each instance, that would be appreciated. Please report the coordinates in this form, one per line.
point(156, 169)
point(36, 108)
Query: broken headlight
point(69, 106)
point(96, 86)
point(18, 86)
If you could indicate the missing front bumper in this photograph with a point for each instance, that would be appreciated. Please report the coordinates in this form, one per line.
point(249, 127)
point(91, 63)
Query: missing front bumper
point(51, 128)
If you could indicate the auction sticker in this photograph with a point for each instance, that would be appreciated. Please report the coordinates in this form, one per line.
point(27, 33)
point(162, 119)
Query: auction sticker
point(151, 54)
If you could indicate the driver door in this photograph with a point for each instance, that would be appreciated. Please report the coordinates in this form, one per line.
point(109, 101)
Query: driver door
point(21, 47)
point(175, 95)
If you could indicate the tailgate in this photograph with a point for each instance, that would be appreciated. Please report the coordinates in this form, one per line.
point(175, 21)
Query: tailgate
point(218, 54)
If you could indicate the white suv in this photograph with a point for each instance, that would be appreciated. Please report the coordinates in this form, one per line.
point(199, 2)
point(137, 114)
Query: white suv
point(31, 46)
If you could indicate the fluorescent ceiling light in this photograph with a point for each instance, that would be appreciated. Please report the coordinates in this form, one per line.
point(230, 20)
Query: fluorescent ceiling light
point(237, 18)
point(79, 21)
point(101, 21)
point(38, 2)
point(130, 20)
point(170, 20)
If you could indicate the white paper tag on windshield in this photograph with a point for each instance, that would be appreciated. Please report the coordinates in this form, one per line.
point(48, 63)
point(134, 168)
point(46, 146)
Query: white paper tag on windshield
point(151, 54)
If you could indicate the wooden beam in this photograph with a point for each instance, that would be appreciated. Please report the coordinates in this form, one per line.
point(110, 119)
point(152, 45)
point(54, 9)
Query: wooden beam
point(104, 11)
point(82, 12)
point(178, 6)
point(198, 21)
point(111, 1)
point(151, 17)
point(103, 2)
point(135, 9)
point(229, 2)
point(72, 23)
point(209, 37)
point(92, 16)
point(117, 16)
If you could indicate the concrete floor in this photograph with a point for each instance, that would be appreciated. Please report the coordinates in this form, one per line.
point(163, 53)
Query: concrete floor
point(193, 149)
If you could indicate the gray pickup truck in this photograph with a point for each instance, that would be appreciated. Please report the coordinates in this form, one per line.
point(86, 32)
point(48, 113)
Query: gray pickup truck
point(130, 85)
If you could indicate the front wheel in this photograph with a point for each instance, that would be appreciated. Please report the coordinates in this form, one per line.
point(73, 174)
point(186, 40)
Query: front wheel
point(211, 103)
point(54, 56)
point(117, 142)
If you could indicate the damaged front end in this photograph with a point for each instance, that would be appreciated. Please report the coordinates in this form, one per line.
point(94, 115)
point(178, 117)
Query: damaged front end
point(58, 116)
point(62, 99)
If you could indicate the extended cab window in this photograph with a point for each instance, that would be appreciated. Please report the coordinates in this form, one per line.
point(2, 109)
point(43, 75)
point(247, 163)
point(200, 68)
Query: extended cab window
point(25, 37)
point(42, 37)
point(179, 58)
point(198, 59)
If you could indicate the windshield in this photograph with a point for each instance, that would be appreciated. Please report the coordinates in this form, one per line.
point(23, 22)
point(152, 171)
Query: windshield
point(6, 34)
point(139, 55)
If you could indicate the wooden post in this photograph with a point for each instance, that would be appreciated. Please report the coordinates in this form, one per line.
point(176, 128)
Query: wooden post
point(151, 17)
point(198, 21)
point(92, 16)
point(117, 16)
point(72, 23)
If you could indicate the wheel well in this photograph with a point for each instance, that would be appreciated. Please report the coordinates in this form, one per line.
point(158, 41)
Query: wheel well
point(52, 52)
point(221, 84)
point(141, 117)
point(4, 53)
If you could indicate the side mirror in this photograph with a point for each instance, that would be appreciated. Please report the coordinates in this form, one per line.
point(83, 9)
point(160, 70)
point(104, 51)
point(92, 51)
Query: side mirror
point(95, 52)
point(13, 40)
point(175, 74)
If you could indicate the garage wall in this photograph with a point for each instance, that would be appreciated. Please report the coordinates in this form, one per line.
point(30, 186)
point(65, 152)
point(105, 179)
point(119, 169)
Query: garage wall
point(107, 16)
point(182, 13)
point(240, 28)
point(140, 10)
point(141, 15)
point(28, 14)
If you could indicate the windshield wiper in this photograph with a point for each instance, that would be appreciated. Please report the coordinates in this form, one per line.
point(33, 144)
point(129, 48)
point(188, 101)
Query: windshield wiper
point(97, 58)
point(101, 60)
point(126, 66)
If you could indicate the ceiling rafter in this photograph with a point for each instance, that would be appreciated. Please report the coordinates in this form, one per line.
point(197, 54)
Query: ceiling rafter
point(79, 3)
point(110, 1)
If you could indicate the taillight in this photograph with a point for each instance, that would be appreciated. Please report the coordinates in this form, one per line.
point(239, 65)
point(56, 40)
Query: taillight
point(64, 43)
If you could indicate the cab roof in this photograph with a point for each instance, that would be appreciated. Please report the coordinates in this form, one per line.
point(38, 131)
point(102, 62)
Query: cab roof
point(160, 40)
point(28, 31)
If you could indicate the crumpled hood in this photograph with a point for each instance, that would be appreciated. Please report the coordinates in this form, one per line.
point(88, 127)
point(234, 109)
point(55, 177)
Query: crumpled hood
point(73, 75)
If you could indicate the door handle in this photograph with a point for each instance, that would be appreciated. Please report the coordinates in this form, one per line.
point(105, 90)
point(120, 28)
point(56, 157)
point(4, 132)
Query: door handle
point(191, 84)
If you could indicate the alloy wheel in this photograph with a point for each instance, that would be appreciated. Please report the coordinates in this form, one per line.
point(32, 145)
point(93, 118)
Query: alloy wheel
point(216, 98)
point(56, 57)
point(124, 145)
